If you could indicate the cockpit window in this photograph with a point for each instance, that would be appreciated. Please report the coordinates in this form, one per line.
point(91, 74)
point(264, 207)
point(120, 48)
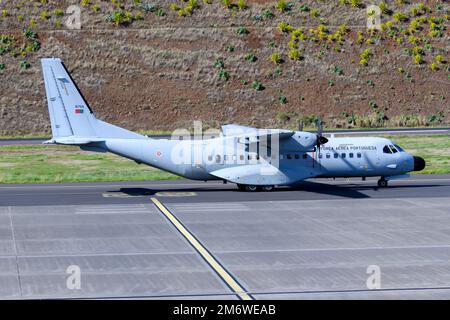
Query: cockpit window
point(386, 149)
point(399, 148)
point(393, 149)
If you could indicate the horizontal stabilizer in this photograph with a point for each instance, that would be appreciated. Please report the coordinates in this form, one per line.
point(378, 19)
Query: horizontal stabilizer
point(72, 140)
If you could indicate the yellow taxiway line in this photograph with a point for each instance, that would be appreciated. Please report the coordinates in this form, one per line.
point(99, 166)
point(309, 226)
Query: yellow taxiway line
point(212, 262)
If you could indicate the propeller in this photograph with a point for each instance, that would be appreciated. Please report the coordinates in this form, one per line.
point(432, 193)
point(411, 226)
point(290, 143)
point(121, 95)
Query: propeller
point(300, 125)
point(321, 140)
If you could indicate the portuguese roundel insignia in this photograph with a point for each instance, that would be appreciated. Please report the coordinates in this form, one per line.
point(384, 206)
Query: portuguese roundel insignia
point(79, 109)
point(158, 153)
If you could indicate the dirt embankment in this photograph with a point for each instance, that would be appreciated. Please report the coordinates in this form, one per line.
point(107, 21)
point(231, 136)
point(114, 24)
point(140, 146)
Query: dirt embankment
point(161, 71)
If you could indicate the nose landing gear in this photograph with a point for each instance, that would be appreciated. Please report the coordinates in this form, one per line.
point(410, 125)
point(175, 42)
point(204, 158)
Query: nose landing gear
point(382, 183)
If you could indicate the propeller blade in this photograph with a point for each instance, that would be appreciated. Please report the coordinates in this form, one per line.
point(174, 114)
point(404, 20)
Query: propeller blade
point(319, 127)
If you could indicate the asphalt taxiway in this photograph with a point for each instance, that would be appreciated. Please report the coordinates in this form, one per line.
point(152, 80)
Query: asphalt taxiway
point(402, 131)
point(183, 239)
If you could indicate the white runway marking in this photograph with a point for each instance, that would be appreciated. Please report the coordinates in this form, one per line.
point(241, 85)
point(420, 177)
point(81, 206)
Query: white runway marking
point(175, 194)
point(208, 184)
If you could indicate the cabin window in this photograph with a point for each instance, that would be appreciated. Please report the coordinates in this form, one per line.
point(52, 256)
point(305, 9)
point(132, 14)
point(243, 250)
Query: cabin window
point(336, 155)
point(257, 157)
point(218, 158)
point(210, 158)
point(359, 155)
point(225, 158)
point(350, 155)
point(289, 156)
point(297, 156)
point(398, 148)
point(393, 149)
point(343, 155)
point(304, 156)
point(249, 157)
point(328, 156)
point(241, 157)
point(320, 156)
point(386, 149)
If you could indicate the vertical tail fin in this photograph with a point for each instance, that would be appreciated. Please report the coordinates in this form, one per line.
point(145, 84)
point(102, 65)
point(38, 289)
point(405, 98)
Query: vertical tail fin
point(70, 115)
point(72, 120)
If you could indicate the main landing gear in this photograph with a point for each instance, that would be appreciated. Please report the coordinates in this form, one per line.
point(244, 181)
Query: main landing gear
point(382, 183)
point(252, 188)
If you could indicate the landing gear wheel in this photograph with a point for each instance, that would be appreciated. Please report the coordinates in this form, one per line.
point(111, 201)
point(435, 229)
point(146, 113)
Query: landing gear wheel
point(268, 188)
point(250, 188)
point(241, 187)
point(382, 183)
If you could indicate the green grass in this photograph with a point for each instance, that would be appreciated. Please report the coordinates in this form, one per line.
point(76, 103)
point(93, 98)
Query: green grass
point(47, 135)
point(26, 136)
point(30, 164)
point(40, 163)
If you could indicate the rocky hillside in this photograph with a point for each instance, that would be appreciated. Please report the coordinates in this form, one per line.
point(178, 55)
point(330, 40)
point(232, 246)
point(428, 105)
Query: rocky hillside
point(161, 64)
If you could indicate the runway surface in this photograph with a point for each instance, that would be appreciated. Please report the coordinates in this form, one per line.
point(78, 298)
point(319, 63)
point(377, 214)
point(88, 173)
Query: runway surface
point(183, 239)
point(403, 131)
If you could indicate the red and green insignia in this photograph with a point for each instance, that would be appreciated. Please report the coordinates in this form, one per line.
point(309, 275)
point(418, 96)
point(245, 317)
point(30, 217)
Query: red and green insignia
point(79, 109)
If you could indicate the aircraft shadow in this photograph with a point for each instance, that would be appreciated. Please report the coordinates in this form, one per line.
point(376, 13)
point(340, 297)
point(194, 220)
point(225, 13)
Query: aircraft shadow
point(349, 190)
point(332, 190)
point(139, 192)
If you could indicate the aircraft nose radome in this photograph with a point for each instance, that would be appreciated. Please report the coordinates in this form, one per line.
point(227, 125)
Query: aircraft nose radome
point(419, 164)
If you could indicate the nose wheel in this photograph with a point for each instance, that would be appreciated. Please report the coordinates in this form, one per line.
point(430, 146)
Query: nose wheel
point(382, 183)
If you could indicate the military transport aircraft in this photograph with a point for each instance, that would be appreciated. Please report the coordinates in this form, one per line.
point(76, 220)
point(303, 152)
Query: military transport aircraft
point(254, 159)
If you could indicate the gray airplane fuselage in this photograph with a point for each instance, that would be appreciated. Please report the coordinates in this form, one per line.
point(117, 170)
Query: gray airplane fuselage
point(340, 157)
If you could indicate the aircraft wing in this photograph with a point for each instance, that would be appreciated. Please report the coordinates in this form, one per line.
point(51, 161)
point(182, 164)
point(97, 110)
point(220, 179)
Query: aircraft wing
point(252, 135)
point(264, 174)
point(235, 129)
